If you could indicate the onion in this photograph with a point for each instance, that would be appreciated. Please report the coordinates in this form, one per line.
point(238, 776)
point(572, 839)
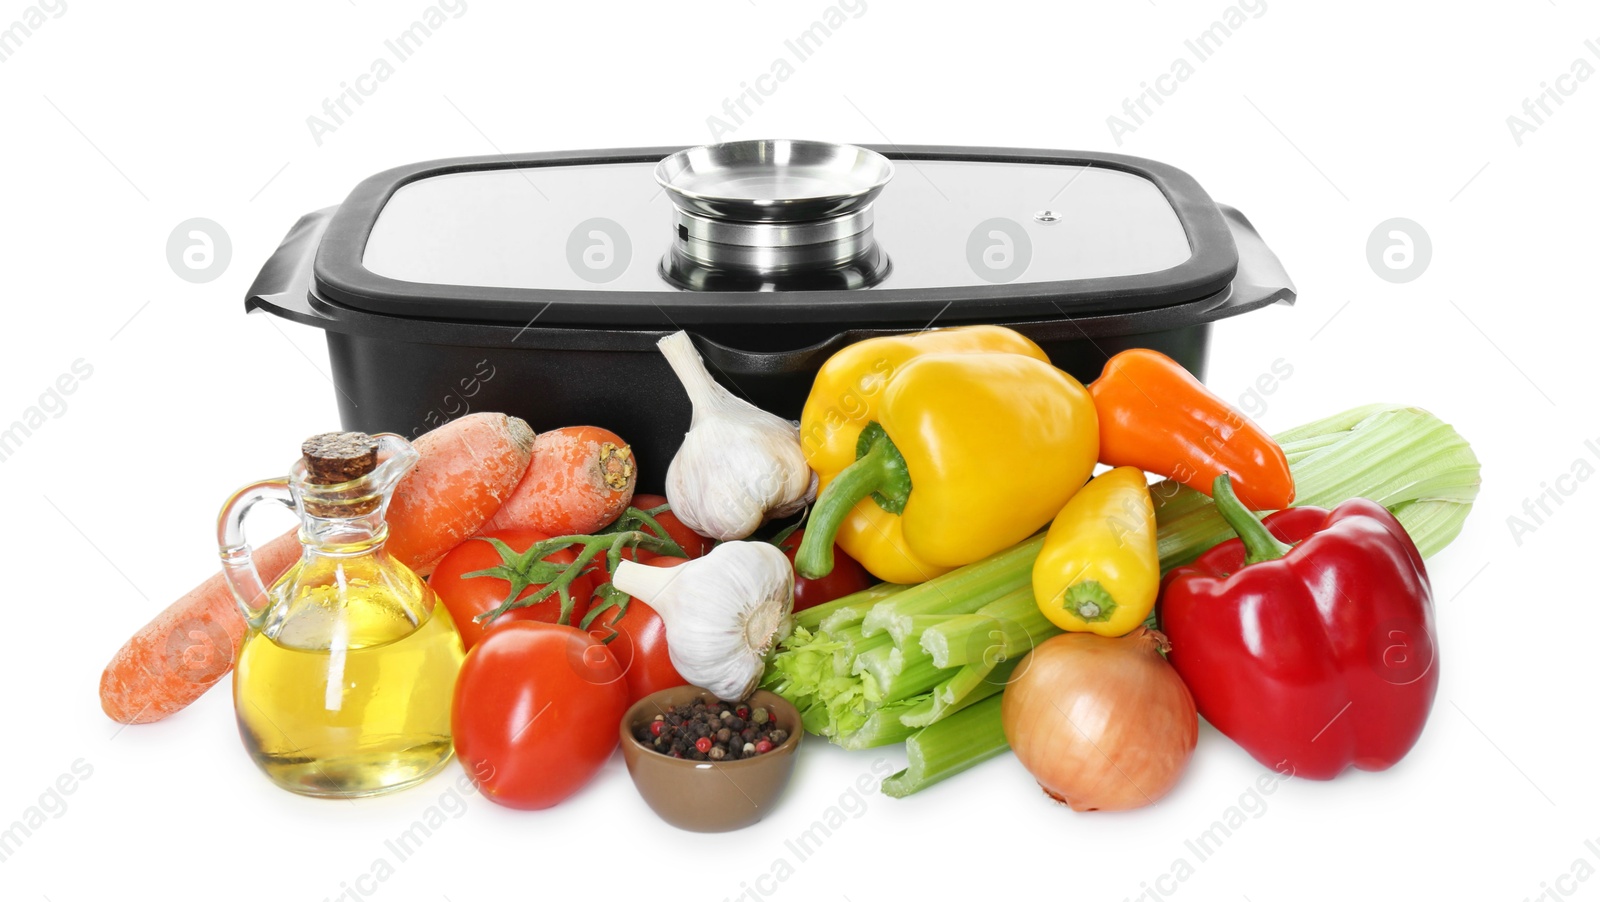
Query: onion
point(1103, 724)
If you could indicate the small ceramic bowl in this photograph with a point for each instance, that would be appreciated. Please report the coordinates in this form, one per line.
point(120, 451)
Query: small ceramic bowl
point(709, 796)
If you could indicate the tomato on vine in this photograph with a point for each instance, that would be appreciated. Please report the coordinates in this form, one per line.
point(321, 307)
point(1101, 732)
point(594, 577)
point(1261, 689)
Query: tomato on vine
point(478, 576)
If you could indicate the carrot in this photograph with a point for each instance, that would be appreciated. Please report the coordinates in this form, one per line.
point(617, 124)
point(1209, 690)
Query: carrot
point(187, 648)
point(466, 469)
point(581, 479)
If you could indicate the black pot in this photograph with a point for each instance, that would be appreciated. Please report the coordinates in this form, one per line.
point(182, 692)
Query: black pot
point(538, 284)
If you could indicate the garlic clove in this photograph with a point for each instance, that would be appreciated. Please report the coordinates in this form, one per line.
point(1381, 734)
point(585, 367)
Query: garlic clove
point(738, 465)
point(723, 612)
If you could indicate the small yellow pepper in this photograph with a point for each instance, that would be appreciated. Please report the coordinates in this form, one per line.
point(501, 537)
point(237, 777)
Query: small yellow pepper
point(1098, 571)
point(939, 448)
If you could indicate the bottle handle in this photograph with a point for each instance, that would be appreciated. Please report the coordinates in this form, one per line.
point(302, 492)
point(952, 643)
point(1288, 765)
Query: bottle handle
point(237, 566)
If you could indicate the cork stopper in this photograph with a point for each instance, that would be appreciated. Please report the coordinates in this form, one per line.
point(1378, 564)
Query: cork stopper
point(335, 457)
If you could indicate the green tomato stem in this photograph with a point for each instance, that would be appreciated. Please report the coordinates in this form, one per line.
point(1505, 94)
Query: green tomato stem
point(530, 567)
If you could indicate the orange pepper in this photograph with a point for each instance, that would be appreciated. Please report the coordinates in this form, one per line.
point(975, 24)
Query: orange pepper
point(1155, 415)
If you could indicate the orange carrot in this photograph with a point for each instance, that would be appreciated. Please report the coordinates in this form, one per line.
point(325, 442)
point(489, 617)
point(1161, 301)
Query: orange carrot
point(466, 469)
point(581, 479)
point(187, 648)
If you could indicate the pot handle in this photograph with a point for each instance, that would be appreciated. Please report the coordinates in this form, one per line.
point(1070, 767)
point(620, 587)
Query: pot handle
point(282, 285)
point(1260, 279)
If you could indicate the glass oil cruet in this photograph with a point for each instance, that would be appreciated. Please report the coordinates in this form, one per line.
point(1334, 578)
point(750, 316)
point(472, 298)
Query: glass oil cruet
point(343, 682)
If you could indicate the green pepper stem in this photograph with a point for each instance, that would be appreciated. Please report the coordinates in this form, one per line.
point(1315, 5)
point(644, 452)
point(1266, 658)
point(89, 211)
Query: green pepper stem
point(1259, 542)
point(879, 471)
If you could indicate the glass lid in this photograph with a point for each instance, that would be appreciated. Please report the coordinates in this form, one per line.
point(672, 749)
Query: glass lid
point(590, 238)
point(606, 227)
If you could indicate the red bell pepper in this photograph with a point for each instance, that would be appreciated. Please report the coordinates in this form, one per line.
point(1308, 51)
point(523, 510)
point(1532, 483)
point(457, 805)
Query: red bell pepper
point(1314, 657)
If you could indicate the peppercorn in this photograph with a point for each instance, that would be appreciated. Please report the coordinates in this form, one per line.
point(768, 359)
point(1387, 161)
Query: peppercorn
point(711, 731)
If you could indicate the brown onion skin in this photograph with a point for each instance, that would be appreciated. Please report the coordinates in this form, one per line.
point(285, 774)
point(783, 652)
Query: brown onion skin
point(1103, 724)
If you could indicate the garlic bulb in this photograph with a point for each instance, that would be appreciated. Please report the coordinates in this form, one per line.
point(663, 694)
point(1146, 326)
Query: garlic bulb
point(738, 465)
point(723, 612)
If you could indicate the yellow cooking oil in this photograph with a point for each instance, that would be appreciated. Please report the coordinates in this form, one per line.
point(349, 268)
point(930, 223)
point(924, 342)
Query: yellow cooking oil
point(345, 690)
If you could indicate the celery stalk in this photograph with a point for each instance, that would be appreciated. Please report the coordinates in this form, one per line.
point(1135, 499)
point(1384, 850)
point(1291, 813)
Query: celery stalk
point(836, 705)
point(964, 686)
point(842, 612)
point(903, 627)
point(917, 625)
point(884, 662)
point(959, 591)
point(947, 748)
point(960, 691)
point(849, 644)
point(1011, 625)
point(881, 727)
point(916, 675)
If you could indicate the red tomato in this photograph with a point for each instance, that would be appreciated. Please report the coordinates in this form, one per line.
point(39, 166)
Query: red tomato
point(536, 712)
point(846, 578)
point(692, 543)
point(639, 643)
point(468, 596)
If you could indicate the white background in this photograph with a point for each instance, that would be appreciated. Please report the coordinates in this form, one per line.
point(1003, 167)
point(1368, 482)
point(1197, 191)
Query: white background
point(121, 120)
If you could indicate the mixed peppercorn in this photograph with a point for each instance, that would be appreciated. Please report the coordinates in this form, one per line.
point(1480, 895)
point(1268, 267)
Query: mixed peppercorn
point(711, 731)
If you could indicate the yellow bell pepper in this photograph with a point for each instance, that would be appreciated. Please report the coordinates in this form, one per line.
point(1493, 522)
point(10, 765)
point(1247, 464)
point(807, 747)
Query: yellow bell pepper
point(936, 449)
point(1098, 571)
